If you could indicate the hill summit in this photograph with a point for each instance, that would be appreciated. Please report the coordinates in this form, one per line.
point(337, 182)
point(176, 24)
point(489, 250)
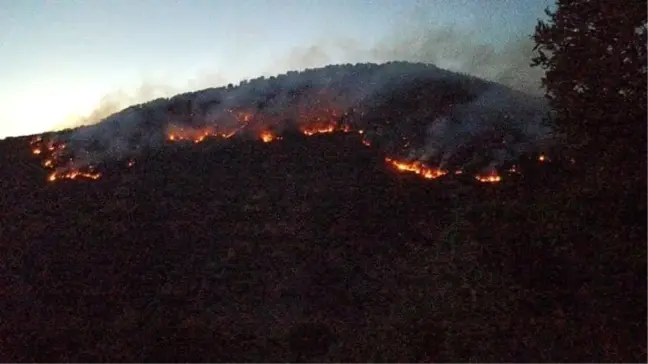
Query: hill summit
point(423, 118)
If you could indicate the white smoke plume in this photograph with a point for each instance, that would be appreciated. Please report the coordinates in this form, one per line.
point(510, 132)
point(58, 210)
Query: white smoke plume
point(373, 95)
point(448, 47)
point(415, 40)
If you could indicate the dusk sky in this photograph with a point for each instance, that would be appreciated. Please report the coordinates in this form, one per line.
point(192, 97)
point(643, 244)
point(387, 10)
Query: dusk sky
point(59, 58)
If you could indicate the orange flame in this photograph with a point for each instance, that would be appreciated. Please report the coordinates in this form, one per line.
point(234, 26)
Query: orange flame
point(73, 174)
point(417, 168)
point(318, 121)
point(490, 178)
point(267, 137)
point(321, 130)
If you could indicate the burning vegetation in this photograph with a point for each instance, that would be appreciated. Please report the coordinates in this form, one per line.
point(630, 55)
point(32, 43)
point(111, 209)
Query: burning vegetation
point(394, 107)
point(63, 165)
point(60, 163)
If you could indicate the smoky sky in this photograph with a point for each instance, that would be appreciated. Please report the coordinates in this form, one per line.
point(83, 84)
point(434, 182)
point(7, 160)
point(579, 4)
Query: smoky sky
point(453, 47)
point(447, 47)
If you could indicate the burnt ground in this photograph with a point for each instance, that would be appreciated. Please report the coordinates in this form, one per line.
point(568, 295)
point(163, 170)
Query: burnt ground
point(312, 250)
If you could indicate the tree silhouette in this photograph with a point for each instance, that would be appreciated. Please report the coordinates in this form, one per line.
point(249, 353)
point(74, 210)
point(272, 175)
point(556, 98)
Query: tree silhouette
point(594, 54)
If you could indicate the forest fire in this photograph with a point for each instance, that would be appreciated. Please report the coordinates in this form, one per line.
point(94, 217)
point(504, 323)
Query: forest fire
point(54, 159)
point(175, 133)
point(73, 174)
point(267, 136)
point(493, 177)
point(52, 153)
point(417, 168)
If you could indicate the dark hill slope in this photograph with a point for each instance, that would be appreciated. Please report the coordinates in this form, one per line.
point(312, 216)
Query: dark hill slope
point(235, 252)
point(307, 249)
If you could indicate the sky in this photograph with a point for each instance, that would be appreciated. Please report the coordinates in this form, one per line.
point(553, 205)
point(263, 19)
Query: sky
point(60, 61)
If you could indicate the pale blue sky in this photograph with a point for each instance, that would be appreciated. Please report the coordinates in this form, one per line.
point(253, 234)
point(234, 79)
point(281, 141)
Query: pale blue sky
point(59, 57)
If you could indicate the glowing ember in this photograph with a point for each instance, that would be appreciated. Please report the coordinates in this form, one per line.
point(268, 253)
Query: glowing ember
point(327, 129)
point(267, 137)
point(491, 178)
point(54, 158)
point(72, 174)
point(417, 168)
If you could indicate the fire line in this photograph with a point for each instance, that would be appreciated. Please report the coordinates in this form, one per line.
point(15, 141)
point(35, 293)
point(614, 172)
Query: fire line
point(54, 157)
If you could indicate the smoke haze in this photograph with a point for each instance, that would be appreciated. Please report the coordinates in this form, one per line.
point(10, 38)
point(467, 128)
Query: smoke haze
point(448, 47)
point(450, 53)
point(454, 48)
point(408, 110)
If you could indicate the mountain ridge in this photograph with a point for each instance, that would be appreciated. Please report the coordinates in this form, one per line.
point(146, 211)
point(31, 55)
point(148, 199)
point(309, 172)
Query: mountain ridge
point(412, 111)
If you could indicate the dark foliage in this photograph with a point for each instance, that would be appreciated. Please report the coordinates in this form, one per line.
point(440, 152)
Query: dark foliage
point(309, 249)
point(594, 52)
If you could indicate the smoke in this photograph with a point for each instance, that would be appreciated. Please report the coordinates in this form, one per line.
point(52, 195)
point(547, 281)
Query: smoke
point(448, 47)
point(415, 40)
point(455, 49)
point(456, 110)
point(117, 100)
point(498, 126)
point(120, 99)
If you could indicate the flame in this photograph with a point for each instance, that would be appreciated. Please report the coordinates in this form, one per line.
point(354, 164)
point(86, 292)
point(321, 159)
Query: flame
point(267, 136)
point(54, 158)
point(73, 174)
point(320, 119)
point(493, 177)
point(417, 168)
point(320, 130)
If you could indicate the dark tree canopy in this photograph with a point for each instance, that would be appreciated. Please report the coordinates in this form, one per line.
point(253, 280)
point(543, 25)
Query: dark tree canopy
point(594, 54)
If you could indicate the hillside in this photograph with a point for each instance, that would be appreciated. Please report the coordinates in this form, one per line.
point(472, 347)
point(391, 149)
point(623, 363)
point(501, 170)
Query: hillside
point(230, 253)
point(310, 248)
point(411, 111)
